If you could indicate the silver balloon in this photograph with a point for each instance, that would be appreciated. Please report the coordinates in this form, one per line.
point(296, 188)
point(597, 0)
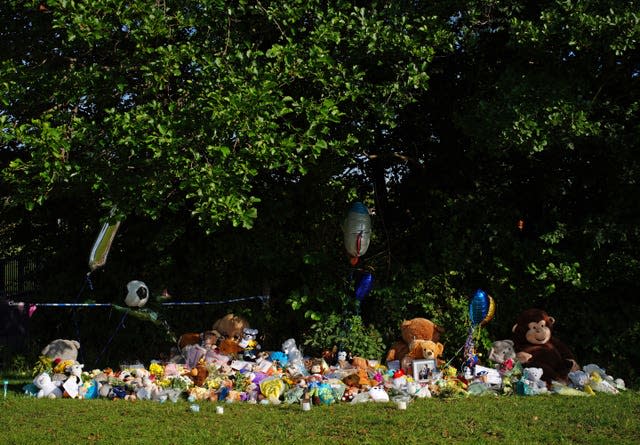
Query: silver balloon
point(357, 230)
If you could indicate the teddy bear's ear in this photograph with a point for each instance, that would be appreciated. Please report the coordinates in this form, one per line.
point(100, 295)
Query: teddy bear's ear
point(510, 342)
point(439, 348)
point(552, 321)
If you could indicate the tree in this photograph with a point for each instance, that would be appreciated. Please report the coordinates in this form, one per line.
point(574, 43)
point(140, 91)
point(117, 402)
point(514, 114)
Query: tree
point(174, 105)
point(497, 143)
point(205, 110)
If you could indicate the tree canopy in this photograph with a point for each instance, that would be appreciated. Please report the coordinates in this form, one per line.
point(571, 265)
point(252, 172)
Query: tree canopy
point(495, 142)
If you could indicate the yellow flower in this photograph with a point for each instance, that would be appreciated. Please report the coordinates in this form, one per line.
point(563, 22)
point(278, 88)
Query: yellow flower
point(156, 369)
point(213, 383)
point(60, 367)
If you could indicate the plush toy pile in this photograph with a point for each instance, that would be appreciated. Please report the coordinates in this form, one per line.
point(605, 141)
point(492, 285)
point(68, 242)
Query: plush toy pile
point(227, 364)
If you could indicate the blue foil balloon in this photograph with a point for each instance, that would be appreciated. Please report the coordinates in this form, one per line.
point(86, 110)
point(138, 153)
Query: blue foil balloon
point(482, 308)
point(364, 283)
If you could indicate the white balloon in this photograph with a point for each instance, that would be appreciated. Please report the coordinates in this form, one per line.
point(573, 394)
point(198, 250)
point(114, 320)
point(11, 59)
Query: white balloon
point(138, 294)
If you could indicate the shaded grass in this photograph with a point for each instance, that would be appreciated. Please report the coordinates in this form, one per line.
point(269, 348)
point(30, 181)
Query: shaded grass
point(538, 419)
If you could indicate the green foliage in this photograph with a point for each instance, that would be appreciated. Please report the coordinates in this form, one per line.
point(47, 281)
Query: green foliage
point(497, 144)
point(346, 333)
point(154, 107)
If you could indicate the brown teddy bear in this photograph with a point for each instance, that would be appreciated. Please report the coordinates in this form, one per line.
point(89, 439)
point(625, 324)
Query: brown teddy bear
point(199, 374)
point(231, 326)
point(426, 349)
point(414, 329)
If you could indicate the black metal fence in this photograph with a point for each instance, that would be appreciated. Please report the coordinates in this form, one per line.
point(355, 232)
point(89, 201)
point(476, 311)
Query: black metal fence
point(18, 281)
point(18, 277)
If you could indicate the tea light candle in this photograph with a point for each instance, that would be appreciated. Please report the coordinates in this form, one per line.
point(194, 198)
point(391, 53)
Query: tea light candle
point(306, 406)
point(219, 410)
point(402, 405)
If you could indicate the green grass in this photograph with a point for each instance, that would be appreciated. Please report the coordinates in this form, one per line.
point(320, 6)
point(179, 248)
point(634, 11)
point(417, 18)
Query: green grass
point(543, 419)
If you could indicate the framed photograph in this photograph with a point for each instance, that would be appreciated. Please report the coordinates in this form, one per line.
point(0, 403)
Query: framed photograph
point(423, 370)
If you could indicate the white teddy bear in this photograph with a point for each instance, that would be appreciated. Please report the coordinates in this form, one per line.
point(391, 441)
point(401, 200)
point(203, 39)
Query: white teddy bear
point(532, 378)
point(46, 387)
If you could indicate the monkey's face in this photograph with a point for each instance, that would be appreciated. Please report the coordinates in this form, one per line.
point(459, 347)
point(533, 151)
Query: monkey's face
point(538, 333)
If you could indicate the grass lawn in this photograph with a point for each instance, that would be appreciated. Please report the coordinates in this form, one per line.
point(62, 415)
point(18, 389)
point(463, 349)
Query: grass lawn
point(552, 419)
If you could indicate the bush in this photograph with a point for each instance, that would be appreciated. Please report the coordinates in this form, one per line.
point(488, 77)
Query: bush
point(346, 334)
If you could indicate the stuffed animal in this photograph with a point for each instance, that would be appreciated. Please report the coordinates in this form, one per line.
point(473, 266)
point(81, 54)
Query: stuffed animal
point(62, 349)
point(249, 343)
point(536, 347)
point(414, 329)
point(531, 382)
point(503, 355)
point(421, 349)
point(73, 384)
point(230, 347)
point(294, 356)
point(378, 394)
point(206, 339)
point(231, 326)
point(199, 374)
point(46, 388)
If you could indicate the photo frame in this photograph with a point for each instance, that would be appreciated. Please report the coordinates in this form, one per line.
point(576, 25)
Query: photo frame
point(423, 370)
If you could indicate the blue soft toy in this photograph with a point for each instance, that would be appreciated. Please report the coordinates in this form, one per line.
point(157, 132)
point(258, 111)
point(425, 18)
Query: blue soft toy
point(280, 357)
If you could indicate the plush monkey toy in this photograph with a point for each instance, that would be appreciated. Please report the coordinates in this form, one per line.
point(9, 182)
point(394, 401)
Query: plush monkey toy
point(536, 347)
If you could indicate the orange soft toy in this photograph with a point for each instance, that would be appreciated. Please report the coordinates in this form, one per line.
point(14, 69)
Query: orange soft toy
point(414, 329)
point(426, 349)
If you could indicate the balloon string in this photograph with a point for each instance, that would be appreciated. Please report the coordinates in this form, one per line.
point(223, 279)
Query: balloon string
point(468, 343)
point(88, 281)
point(111, 338)
point(74, 313)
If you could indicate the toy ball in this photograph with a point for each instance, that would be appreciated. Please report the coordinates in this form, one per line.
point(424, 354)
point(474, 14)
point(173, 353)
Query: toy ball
point(138, 294)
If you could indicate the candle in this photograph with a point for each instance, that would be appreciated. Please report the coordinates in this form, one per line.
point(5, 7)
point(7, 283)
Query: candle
point(219, 410)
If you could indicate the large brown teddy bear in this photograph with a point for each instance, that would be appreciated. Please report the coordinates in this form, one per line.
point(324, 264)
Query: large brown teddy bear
point(231, 326)
point(414, 329)
point(536, 347)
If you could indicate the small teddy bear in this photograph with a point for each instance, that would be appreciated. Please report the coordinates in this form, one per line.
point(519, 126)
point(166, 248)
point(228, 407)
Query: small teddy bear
point(46, 387)
point(425, 349)
point(502, 353)
point(294, 356)
point(531, 381)
point(414, 329)
point(249, 343)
